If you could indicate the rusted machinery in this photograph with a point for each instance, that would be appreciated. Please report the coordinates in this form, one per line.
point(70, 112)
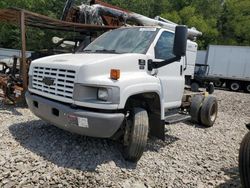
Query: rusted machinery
point(13, 78)
point(100, 13)
point(10, 81)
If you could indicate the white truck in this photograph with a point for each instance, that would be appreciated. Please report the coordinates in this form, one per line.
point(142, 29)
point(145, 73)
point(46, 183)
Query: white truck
point(228, 65)
point(126, 84)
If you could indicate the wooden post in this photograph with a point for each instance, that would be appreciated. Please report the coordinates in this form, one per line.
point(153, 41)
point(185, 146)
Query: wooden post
point(23, 65)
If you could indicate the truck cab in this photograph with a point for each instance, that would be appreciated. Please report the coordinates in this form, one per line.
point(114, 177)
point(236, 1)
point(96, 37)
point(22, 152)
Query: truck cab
point(122, 85)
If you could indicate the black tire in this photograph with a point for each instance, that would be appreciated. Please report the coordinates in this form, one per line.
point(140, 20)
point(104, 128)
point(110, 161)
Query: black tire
point(247, 88)
point(195, 108)
point(195, 87)
point(210, 88)
point(234, 86)
point(209, 111)
point(248, 126)
point(136, 134)
point(244, 161)
point(218, 83)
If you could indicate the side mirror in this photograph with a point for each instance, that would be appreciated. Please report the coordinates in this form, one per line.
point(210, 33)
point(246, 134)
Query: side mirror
point(180, 41)
point(179, 48)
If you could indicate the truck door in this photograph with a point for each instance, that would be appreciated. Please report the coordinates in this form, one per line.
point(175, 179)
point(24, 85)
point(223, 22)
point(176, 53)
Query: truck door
point(171, 76)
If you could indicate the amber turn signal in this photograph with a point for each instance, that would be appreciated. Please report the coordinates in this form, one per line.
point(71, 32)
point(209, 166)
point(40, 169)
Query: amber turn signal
point(115, 74)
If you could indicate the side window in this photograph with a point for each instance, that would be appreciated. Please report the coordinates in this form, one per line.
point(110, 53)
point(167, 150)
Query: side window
point(164, 46)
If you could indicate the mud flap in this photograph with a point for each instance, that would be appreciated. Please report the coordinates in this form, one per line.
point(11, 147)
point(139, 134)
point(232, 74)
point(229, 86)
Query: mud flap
point(156, 126)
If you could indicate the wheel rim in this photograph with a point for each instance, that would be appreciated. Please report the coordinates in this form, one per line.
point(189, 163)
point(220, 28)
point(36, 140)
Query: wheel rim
point(235, 86)
point(213, 112)
point(248, 88)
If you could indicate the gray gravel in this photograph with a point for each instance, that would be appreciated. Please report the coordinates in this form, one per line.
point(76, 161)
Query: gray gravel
point(33, 153)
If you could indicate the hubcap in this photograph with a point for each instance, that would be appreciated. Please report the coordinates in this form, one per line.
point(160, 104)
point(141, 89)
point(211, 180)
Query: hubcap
point(235, 86)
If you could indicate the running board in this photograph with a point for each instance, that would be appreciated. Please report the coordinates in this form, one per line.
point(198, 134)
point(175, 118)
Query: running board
point(176, 118)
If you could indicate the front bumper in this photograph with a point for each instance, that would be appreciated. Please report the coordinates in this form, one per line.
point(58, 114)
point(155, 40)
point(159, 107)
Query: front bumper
point(94, 124)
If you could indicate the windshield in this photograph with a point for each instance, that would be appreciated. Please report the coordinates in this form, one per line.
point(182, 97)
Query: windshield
point(126, 40)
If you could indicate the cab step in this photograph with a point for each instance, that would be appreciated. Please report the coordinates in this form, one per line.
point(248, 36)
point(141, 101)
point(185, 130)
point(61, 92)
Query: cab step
point(176, 118)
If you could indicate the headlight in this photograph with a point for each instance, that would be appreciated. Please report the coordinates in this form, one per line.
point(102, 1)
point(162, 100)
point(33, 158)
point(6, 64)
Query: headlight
point(96, 94)
point(103, 94)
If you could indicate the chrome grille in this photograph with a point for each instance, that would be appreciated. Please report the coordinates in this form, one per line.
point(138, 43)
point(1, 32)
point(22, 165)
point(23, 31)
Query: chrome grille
point(63, 85)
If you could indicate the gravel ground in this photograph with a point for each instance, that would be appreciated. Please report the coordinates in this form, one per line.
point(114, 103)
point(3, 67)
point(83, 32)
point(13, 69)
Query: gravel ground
point(33, 153)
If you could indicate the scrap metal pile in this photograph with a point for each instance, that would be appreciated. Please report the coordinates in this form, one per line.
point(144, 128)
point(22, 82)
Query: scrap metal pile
point(10, 81)
point(100, 13)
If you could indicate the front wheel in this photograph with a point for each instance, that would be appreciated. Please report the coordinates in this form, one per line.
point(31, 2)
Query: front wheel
point(136, 134)
point(244, 161)
point(195, 108)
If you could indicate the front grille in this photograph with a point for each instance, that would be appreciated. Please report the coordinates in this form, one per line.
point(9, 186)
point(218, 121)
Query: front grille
point(63, 85)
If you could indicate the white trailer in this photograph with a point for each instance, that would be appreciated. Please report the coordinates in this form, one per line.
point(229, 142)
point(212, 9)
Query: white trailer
point(228, 65)
point(6, 56)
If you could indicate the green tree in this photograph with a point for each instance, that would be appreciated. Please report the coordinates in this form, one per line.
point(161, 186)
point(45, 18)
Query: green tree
point(36, 38)
point(235, 22)
point(221, 21)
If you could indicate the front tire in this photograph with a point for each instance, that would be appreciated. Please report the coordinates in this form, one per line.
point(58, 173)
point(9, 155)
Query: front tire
point(244, 161)
point(209, 111)
point(136, 134)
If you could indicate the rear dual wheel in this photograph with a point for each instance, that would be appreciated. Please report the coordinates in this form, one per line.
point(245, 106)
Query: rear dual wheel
point(234, 86)
point(247, 87)
point(204, 110)
point(218, 83)
point(209, 110)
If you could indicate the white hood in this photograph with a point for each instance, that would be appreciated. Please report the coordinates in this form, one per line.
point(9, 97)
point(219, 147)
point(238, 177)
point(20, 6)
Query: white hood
point(89, 65)
point(74, 60)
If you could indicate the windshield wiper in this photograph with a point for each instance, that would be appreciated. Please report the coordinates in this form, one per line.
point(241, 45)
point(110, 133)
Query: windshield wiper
point(107, 51)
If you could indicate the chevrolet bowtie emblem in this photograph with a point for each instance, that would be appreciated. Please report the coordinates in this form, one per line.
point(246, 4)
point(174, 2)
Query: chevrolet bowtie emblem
point(48, 81)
